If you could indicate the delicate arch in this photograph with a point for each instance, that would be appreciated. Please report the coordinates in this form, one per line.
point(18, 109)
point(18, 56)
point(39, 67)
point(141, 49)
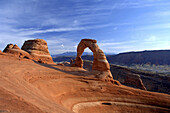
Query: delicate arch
point(100, 62)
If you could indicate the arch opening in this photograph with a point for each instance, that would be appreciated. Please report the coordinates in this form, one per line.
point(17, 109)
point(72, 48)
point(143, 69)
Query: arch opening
point(100, 64)
point(87, 58)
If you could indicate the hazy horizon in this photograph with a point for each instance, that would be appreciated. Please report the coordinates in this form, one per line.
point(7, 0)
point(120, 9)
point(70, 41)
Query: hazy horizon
point(112, 53)
point(118, 26)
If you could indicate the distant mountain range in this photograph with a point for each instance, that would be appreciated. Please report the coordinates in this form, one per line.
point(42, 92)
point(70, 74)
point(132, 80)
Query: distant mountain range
point(71, 54)
point(161, 57)
point(75, 53)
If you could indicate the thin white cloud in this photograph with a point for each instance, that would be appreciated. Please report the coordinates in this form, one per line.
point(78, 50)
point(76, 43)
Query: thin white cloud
point(151, 39)
point(162, 13)
point(11, 38)
point(31, 32)
point(19, 19)
point(154, 26)
point(116, 43)
point(62, 45)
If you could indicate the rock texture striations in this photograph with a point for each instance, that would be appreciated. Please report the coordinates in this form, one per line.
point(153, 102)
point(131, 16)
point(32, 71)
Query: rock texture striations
point(101, 67)
point(26, 87)
point(38, 49)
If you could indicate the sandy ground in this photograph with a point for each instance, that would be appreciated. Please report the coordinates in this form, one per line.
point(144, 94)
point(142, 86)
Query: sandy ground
point(31, 87)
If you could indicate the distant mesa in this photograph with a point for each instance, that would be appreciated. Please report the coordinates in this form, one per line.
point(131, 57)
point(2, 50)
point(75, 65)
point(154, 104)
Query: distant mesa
point(101, 67)
point(158, 57)
point(36, 50)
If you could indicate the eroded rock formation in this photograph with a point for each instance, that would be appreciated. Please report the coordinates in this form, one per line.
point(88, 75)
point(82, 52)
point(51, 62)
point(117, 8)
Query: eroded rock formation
point(38, 49)
point(101, 67)
point(16, 51)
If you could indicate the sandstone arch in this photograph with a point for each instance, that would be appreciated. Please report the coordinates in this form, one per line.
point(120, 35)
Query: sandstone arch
point(101, 67)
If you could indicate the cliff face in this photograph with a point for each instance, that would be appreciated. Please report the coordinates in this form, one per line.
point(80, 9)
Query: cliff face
point(137, 79)
point(123, 75)
point(151, 81)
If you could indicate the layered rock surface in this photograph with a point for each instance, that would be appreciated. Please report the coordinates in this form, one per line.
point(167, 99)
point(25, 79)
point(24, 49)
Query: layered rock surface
point(44, 88)
point(38, 49)
point(16, 51)
point(101, 67)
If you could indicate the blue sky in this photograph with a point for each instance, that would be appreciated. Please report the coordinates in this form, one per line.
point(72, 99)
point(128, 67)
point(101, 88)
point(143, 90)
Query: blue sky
point(117, 25)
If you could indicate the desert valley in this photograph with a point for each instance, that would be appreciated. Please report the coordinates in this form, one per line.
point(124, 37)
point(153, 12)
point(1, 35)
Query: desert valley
point(30, 82)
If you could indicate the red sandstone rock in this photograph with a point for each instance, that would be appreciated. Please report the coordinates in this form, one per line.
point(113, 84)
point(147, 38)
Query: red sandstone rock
point(9, 46)
point(0, 52)
point(101, 67)
point(16, 51)
point(32, 49)
point(38, 49)
point(15, 47)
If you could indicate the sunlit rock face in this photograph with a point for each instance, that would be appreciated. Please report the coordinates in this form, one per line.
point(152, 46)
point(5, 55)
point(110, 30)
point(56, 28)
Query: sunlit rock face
point(101, 67)
point(16, 51)
point(38, 49)
point(1, 52)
